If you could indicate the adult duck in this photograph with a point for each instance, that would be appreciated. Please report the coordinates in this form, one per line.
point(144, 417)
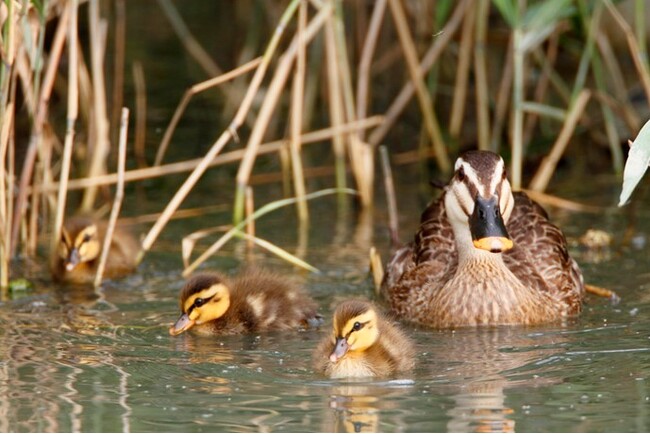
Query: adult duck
point(483, 256)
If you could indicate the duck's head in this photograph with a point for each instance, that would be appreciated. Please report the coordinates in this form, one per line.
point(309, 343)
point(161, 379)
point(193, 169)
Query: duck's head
point(355, 328)
point(79, 244)
point(205, 297)
point(479, 197)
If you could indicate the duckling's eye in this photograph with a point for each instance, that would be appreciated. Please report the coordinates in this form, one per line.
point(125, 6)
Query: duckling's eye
point(86, 238)
point(199, 302)
point(461, 173)
point(357, 326)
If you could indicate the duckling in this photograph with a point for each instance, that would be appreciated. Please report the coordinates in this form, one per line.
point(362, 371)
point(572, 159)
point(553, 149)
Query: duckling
point(255, 301)
point(364, 343)
point(484, 255)
point(77, 254)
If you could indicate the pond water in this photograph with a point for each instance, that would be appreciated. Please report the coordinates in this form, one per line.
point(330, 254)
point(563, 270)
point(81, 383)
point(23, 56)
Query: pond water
point(75, 359)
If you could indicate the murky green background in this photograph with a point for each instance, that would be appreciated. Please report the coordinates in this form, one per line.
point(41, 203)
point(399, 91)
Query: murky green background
point(86, 360)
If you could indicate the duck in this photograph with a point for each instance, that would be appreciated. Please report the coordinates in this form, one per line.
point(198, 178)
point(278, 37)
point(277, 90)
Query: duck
point(76, 257)
point(363, 343)
point(483, 256)
point(257, 300)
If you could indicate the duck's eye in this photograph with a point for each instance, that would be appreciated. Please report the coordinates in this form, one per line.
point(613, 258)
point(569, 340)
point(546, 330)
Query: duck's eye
point(461, 173)
point(199, 302)
point(504, 175)
point(357, 326)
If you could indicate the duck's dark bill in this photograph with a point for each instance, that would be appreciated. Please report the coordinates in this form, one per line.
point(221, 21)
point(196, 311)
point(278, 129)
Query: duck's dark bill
point(183, 323)
point(487, 226)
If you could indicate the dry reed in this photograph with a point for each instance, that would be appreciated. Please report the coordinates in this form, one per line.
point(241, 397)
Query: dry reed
point(294, 76)
point(119, 196)
point(296, 117)
point(430, 119)
point(73, 102)
point(99, 135)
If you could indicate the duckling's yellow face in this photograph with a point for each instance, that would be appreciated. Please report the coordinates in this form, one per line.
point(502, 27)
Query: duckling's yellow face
point(354, 333)
point(83, 248)
point(202, 306)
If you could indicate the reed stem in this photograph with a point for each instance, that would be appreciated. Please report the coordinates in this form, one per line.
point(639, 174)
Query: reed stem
point(5, 197)
point(140, 114)
point(431, 56)
point(187, 96)
point(101, 142)
point(335, 105)
point(298, 94)
point(462, 75)
point(517, 107)
point(229, 133)
point(237, 229)
point(73, 108)
point(268, 107)
point(547, 168)
point(426, 106)
point(393, 221)
point(480, 75)
point(119, 195)
point(230, 157)
point(368, 50)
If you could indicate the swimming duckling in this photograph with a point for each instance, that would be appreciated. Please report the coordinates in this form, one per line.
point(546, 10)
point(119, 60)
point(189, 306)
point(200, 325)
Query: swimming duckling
point(257, 300)
point(77, 254)
point(364, 344)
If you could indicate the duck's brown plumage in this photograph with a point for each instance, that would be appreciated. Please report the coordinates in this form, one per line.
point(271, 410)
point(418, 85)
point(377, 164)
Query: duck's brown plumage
point(259, 301)
point(534, 282)
point(121, 260)
point(391, 351)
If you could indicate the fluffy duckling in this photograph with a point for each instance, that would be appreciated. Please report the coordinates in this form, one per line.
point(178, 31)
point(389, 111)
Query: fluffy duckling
point(255, 301)
point(77, 254)
point(364, 343)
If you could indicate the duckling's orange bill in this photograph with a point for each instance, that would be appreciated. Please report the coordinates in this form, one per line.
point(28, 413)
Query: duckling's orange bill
point(183, 323)
point(487, 226)
point(340, 349)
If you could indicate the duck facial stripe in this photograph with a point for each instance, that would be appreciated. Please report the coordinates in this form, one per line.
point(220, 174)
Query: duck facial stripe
point(198, 302)
point(356, 327)
point(497, 177)
point(465, 194)
point(471, 178)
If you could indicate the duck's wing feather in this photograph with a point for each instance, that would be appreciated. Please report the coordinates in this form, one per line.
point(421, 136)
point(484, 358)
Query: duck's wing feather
point(433, 248)
point(540, 258)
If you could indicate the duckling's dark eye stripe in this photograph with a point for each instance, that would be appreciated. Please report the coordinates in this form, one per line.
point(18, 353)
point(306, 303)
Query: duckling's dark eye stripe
point(362, 325)
point(205, 300)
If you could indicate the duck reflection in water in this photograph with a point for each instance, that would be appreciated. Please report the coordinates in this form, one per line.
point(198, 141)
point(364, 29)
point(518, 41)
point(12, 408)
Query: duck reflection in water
point(358, 407)
point(482, 365)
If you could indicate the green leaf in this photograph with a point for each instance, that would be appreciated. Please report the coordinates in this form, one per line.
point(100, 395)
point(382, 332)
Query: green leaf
point(636, 164)
point(508, 9)
point(443, 9)
point(547, 13)
point(541, 19)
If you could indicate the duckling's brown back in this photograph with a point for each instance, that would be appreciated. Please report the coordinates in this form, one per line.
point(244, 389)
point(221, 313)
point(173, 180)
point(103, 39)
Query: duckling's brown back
point(261, 300)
